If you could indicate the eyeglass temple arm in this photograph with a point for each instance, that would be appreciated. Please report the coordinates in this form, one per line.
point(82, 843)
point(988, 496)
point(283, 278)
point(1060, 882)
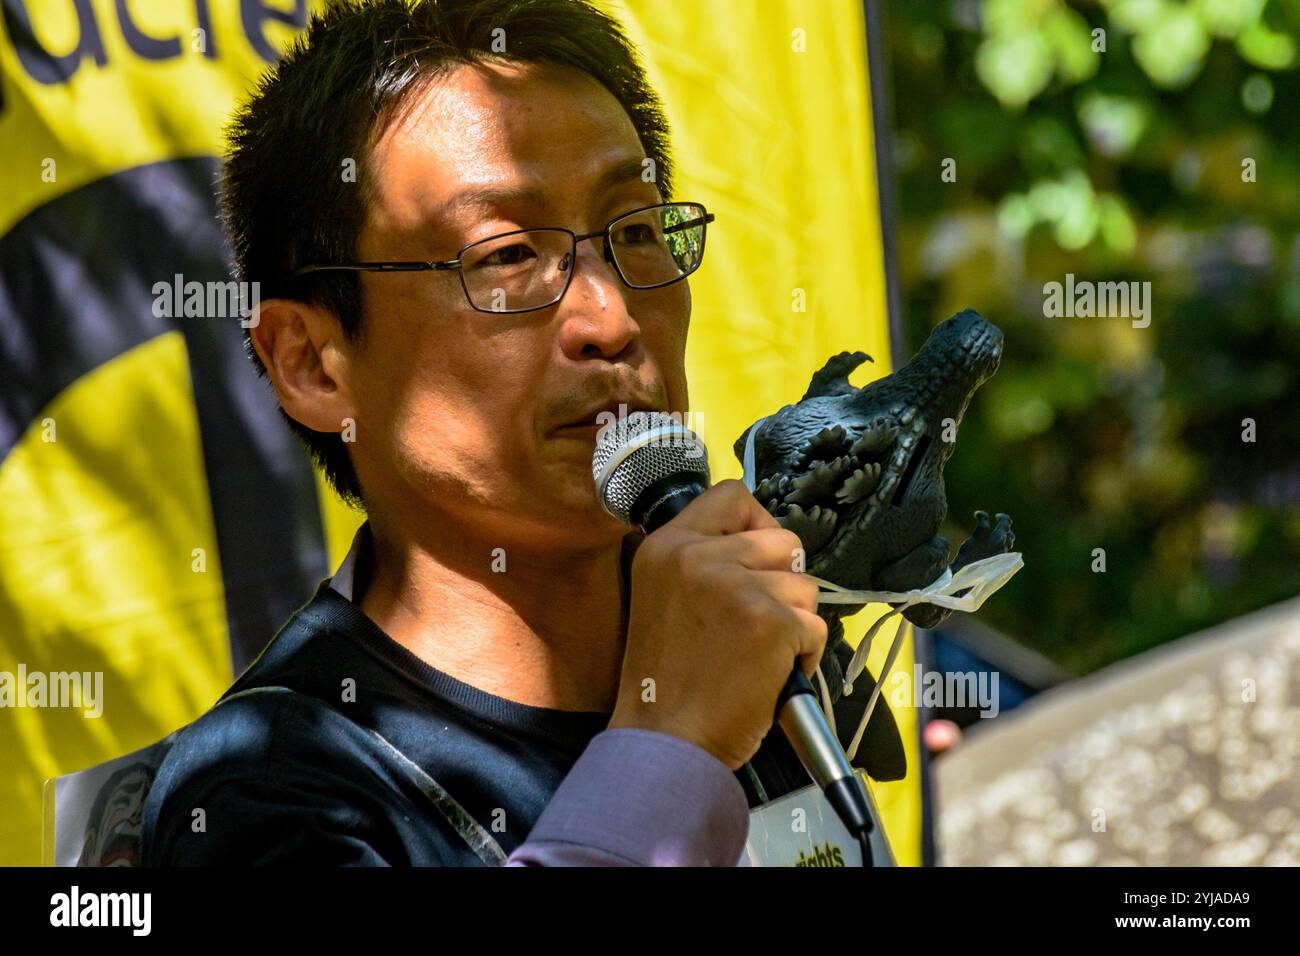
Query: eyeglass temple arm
point(678, 227)
point(379, 267)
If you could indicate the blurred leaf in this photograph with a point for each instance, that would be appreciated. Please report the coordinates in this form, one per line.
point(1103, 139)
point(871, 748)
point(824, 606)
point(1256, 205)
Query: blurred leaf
point(1012, 16)
point(1114, 124)
point(1172, 48)
point(1227, 18)
point(1070, 38)
point(1014, 66)
point(1016, 218)
point(1118, 230)
point(1073, 205)
point(1257, 93)
point(1135, 15)
point(1266, 49)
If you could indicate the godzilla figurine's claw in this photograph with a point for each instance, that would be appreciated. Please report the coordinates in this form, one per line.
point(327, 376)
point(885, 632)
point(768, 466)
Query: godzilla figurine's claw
point(875, 438)
point(986, 540)
point(814, 527)
point(833, 377)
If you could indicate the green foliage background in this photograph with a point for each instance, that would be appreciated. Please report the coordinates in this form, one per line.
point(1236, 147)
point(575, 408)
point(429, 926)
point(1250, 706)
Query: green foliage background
point(1128, 163)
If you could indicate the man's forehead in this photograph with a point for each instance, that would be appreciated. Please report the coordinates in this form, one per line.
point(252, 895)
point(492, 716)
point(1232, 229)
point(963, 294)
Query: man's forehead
point(496, 194)
point(506, 137)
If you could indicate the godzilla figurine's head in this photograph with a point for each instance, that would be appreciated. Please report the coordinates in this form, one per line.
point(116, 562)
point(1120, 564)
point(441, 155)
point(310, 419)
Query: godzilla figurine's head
point(858, 473)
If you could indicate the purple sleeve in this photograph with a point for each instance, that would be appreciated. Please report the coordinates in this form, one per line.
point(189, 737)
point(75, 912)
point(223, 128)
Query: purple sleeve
point(641, 798)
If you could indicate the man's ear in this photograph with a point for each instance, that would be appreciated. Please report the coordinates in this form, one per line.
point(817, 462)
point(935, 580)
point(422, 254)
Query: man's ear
point(307, 358)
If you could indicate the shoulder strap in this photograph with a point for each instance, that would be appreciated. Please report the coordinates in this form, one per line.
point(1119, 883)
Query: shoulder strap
point(479, 840)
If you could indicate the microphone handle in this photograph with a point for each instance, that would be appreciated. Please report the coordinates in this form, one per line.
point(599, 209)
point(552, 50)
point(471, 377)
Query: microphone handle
point(665, 500)
point(811, 738)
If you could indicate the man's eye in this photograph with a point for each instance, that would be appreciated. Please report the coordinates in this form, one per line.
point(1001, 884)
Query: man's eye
point(635, 233)
point(508, 256)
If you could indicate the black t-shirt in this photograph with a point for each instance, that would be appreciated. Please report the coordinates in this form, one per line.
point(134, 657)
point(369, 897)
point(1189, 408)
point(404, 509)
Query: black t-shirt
point(339, 746)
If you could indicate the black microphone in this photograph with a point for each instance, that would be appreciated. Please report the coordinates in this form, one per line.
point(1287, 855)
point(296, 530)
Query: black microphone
point(648, 467)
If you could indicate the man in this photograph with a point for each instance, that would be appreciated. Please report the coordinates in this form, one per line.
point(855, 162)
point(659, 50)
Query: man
point(480, 683)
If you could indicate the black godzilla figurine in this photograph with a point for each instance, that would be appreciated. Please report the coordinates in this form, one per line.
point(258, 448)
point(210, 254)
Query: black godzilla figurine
point(857, 474)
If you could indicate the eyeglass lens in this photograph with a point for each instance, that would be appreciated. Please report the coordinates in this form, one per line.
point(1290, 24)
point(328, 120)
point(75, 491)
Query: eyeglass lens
point(529, 270)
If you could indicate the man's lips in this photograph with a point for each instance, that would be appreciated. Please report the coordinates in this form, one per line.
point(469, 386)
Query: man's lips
point(598, 418)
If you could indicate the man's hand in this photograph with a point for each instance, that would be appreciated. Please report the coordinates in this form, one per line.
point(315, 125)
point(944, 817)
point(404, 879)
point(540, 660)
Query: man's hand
point(717, 619)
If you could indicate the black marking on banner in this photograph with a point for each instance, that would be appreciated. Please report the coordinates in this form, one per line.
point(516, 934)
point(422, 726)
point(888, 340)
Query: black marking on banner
point(76, 290)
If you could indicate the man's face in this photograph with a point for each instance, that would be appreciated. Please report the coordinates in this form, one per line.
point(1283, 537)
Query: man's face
point(467, 413)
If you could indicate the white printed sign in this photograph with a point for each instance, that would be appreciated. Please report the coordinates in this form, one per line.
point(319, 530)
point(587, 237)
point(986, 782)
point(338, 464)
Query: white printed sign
point(801, 829)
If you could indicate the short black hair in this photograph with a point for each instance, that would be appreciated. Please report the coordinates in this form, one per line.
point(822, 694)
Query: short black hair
point(284, 199)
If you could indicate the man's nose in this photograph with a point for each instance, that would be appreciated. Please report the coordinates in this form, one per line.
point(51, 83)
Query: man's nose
point(594, 317)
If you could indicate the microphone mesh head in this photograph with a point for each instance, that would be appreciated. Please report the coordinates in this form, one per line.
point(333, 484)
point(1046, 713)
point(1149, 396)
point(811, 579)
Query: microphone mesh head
point(634, 452)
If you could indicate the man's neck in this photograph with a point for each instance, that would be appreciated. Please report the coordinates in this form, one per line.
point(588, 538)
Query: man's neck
point(540, 628)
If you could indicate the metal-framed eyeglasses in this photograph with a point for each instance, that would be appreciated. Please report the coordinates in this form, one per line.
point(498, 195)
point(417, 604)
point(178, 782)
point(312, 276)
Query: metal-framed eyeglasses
point(529, 269)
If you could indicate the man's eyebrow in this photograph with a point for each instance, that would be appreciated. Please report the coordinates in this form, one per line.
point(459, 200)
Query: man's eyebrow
point(491, 197)
point(621, 172)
